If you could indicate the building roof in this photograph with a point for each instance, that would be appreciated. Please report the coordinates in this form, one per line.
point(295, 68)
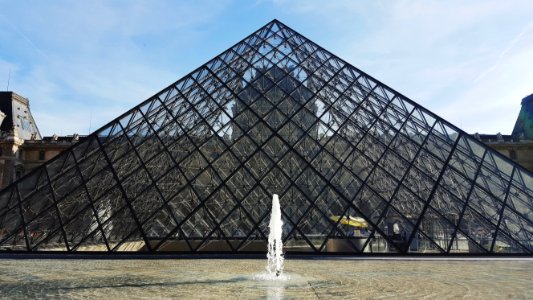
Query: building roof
point(524, 123)
point(60, 141)
point(18, 120)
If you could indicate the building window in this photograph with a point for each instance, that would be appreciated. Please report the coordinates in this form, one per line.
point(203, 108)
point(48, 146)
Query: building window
point(41, 154)
point(19, 171)
point(512, 154)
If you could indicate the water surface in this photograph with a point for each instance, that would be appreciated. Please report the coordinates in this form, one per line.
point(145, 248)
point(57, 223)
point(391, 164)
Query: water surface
point(240, 279)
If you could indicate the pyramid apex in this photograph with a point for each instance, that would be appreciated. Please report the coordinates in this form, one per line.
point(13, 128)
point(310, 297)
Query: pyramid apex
point(276, 21)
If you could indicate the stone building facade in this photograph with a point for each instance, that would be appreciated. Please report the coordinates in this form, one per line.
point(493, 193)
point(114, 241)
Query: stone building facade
point(519, 145)
point(516, 148)
point(22, 147)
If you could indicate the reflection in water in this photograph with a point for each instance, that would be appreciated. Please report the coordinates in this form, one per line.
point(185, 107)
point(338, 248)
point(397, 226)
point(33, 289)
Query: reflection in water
point(275, 285)
point(275, 292)
point(271, 277)
point(233, 279)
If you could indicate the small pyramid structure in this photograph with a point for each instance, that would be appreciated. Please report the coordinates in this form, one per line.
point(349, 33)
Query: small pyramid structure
point(359, 168)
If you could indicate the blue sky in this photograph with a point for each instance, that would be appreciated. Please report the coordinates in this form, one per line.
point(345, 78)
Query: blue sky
point(83, 63)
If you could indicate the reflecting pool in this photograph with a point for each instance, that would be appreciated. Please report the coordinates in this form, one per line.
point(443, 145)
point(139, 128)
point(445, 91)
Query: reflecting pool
point(242, 279)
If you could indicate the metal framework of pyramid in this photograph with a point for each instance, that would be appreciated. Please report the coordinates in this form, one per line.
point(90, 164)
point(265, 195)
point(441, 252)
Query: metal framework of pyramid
point(359, 168)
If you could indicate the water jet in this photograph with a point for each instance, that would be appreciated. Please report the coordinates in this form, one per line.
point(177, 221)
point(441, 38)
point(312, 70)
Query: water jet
point(275, 243)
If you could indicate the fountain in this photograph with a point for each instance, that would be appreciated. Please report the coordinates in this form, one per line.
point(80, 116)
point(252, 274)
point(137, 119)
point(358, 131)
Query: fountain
point(275, 244)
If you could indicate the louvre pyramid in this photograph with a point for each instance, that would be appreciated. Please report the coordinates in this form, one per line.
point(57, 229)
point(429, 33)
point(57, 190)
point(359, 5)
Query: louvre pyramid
point(359, 168)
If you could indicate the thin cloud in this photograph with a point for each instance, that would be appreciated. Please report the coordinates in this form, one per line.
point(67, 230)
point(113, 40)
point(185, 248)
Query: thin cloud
point(22, 35)
point(504, 52)
point(103, 56)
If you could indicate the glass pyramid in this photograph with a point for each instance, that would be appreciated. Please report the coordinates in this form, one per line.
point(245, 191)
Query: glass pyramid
point(359, 168)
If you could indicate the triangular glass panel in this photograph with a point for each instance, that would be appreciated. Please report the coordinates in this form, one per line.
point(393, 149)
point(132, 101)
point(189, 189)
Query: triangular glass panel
point(133, 243)
point(350, 233)
point(70, 206)
point(176, 242)
point(198, 225)
point(377, 243)
point(38, 203)
point(447, 205)
point(478, 228)
point(255, 243)
point(339, 242)
point(257, 204)
point(119, 227)
point(296, 242)
point(35, 181)
point(421, 243)
point(8, 200)
point(462, 244)
point(220, 204)
point(159, 165)
point(236, 225)
point(214, 245)
point(171, 182)
point(109, 203)
point(91, 163)
point(434, 233)
point(136, 183)
point(15, 243)
point(147, 204)
point(53, 241)
point(76, 230)
point(93, 242)
point(13, 230)
point(396, 228)
point(292, 205)
point(51, 238)
point(505, 244)
point(369, 205)
point(158, 226)
point(516, 227)
point(314, 226)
